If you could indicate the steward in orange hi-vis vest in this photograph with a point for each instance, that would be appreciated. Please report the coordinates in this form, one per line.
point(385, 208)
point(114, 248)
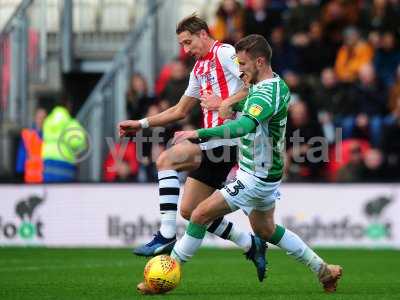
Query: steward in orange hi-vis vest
point(33, 163)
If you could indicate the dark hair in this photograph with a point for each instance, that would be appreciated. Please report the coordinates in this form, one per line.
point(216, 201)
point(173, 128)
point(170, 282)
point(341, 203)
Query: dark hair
point(193, 24)
point(255, 45)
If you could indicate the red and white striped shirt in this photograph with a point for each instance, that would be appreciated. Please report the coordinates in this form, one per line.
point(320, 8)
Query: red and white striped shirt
point(217, 72)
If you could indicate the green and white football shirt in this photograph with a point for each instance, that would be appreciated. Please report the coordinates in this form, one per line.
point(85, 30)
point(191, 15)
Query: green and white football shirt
point(261, 151)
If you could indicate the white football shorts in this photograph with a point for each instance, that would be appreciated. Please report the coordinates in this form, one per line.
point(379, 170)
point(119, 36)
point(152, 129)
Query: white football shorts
point(248, 193)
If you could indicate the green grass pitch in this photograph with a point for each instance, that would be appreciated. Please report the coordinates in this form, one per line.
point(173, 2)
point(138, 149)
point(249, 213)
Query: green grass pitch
point(39, 273)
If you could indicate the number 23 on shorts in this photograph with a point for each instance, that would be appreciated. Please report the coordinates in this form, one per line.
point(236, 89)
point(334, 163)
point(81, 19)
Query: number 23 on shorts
point(234, 187)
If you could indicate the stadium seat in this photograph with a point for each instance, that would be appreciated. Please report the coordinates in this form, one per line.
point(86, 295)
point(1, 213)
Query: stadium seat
point(13, 3)
point(137, 9)
point(335, 163)
point(85, 15)
point(7, 8)
point(53, 15)
point(53, 12)
point(202, 8)
point(116, 16)
point(189, 7)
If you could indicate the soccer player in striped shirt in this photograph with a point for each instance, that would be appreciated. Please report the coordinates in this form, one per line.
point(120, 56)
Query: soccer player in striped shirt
point(215, 72)
point(261, 130)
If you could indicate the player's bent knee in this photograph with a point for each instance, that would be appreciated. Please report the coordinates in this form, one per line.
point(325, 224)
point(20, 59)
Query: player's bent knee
point(199, 216)
point(177, 158)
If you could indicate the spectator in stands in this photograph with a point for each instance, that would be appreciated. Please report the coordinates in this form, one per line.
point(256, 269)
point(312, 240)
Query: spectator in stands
point(371, 105)
point(352, 56)
point(228, 27)
point(138, 99)
point(331, 103)
point(176, 84)
point(340, 155)
point(338, 14)
point(121, 164)
point(374, 40)
point(300, 16)
point(331, 98)
point(162, 79)
point(261, 19)
point(285, 56)
point(352, 171)
point(394, 92)
point(29, 159)
point(316, 53)
point(301, 163)
point(63, 140)
point(300, 89)
point(147, 170)
point(386, 59)
point(333, 21)
point(374, 169)
point(391, 140)
point(381, 15)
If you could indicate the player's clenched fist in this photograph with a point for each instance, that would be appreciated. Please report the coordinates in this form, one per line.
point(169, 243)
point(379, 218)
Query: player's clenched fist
point(225, 110)
point(128, 127)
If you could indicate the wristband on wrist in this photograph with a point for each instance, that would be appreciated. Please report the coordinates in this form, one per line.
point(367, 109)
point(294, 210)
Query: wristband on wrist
point(144, 123)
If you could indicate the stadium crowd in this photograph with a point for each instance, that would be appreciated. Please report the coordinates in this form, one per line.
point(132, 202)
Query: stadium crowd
point(341, 60)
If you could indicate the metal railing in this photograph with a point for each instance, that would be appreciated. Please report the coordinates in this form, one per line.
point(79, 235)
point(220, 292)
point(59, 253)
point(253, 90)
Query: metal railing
point(13, 66)
point(23, 61)
point(106, 104)
point(101, 27)
point(30, 44)
point(149, 46)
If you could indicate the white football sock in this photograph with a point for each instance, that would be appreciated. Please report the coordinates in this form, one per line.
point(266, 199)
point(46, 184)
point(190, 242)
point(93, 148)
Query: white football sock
point(168, 196)
point(186, 247)
point(296, 247)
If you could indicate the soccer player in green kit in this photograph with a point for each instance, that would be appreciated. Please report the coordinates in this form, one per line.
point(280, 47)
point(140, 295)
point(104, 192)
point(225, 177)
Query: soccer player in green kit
point(261, 131)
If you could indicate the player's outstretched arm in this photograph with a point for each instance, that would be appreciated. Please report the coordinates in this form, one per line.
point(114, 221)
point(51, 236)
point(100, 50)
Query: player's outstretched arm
point(175, 113)
point(231, 130)
point(172, 114)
